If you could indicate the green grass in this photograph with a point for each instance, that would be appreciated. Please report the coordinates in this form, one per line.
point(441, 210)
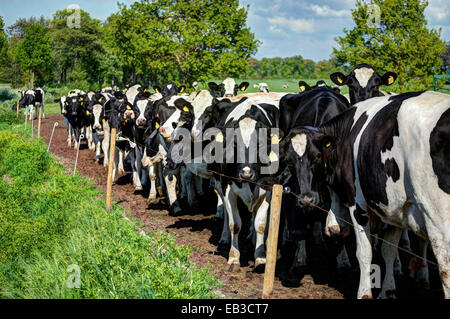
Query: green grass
point(49, 221)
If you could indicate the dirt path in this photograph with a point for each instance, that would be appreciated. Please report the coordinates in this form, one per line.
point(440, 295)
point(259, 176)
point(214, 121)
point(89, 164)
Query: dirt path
point(197, 230)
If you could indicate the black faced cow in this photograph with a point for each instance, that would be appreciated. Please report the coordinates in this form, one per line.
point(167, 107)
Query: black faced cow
point(363, 82)
point(32, 99)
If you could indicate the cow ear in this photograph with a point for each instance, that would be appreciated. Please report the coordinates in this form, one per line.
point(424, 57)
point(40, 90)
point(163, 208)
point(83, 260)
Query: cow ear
point(337, 90)
point(57, 100)
point(146, 94)
point(388, 78)
point(243, 86)
point(144, 89)
point(303, 86)
point(157, 89)
point(327, 142)
point(183, 105)
point(181, 89)
point(213, 86)
point(338, 78)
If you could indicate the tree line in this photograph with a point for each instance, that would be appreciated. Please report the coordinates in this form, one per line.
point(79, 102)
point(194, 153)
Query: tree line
point(150, 42)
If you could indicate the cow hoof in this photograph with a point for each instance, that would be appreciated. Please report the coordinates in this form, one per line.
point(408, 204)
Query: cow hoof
point(175, 210)
point(137, 188)
point(97, 159)
point(223, 245)
point(260, 265)
point(234, 268)
point(152, 200)
point(423, 284)
point(388, 294)
point(366, 297)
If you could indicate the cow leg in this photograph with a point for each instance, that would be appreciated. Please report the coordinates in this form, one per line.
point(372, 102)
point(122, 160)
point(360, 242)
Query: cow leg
point(141, 172)
point(198, 183)
point(225, 236)
point(171, 185)
point(260, 227)
point(136, 178)
point(235, 224)
point(364, 256)
point(342, 260)
point(300, 255)
point(389, 253)
point(105, 148)
point(152, 176)
point(422, 276)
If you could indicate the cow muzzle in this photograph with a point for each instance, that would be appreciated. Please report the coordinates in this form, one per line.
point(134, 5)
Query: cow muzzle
point(247, 174)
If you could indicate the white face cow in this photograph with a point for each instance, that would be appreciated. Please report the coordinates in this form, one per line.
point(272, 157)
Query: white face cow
point(228, 88)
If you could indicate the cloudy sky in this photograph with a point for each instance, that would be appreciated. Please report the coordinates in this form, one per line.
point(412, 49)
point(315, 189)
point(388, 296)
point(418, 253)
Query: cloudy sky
point(286, 27)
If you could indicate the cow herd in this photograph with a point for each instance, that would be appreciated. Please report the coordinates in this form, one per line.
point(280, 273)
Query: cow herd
point(374, 162)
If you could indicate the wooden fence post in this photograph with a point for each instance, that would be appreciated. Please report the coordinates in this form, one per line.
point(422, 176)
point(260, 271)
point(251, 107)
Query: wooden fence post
point(272, 240)
point(39, 121)
point(112, 148)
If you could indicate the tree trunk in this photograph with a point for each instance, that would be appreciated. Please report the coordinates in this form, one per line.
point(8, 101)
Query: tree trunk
point(31, 79)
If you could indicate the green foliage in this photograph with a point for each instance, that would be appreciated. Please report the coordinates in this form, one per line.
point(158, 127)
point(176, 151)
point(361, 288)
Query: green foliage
point(34, 53)
point(402, 43)
point(7, 94)
point(191, 39)
point(49, 220)
point(3, 41)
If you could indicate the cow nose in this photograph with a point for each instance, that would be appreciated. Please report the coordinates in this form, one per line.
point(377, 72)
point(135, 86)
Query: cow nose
point(162, 130)
point(308, 199)
point(97, 126)
point(141, 121)
point(246, 173)
point(228, 95)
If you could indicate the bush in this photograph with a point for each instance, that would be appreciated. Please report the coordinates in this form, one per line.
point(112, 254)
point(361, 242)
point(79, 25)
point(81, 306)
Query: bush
point(7, 94)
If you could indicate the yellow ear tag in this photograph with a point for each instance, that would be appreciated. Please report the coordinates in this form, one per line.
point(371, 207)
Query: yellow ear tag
point(243, 89)
point(104, 121)
point(328, 145)
point(87, 113)
point(182, 90)
point(390, 79)
point(125, 89)
point(219, 138)
point(128, 107)
point(145, 90)
point(302, 88)
point(340, 80)
point(157, 125)
point(156, 90)
point(275, 139)
point(100, 99)
point(273, 157)
point(186, 109)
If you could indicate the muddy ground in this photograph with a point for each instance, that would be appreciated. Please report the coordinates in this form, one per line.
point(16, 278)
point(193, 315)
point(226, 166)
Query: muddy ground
point(200, 230)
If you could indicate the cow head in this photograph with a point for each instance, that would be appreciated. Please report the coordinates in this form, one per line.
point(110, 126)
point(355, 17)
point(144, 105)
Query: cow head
point(28, 98)
point(228, 88)
point(143, 111)
point(169, 89)
point(75, 104)
point(306, 152)
point(363, 82)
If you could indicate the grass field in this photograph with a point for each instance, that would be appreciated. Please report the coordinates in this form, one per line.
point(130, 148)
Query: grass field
point(54, 229)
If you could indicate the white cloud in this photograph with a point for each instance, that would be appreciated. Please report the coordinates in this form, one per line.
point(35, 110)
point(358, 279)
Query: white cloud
point(326, 11)
point(279, 24)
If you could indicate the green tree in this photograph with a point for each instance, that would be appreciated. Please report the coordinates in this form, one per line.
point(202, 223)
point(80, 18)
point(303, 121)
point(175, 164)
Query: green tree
point(34, 53)
point(401, 42)
point(194, 39)
point(3, 41)
point(78, 53)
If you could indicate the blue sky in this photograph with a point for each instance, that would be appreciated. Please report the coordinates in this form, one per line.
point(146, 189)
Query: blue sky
point(286, 27)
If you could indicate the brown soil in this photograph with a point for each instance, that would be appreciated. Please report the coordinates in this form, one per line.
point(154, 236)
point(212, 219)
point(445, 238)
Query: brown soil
point(201, 231)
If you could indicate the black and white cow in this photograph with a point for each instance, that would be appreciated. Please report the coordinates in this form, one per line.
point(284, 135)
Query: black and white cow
point(388, 159)
point(363, 82)
point(228, 88)
point(63, 108)
point(76, 115)
point(303, 86)
point(300, 114)
point(32, 99)
point(247, 137)
point(262, 87)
